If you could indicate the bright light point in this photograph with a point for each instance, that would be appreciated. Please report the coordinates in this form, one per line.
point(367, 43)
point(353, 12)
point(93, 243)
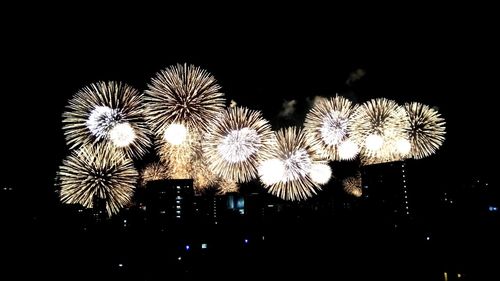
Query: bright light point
point(246, 241)
point(238, 145)
point(204, 245)
point(403, 146)
point(374, 142)
point(122, 135)
point(348, 150)
point(175, 134)
point(320, 173)
point(101, 119)
point(428, 238)
point(271, 171)
point(187, 247)
point(179, 258)
point(120, 265)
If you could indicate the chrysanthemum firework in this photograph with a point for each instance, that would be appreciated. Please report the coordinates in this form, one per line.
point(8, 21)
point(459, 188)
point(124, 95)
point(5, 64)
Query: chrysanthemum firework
point(154, 171)
point(227, 186)
point(353, 185)
point(426, 129)
point(287, 173)
point(182, 95)
point(97, 172)
point(236, 143)
point(377, 126)
point(186, 161)
point(107, 112)
point(327, 126)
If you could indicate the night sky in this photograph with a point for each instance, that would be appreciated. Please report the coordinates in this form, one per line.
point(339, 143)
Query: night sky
point(447, 63)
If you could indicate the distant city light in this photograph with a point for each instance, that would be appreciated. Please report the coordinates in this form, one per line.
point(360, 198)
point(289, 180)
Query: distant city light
point(492, 208)
point(187, 247)
point(246, 241)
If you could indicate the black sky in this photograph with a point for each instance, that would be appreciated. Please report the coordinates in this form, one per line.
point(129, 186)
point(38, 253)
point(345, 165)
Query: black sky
point(450, 63)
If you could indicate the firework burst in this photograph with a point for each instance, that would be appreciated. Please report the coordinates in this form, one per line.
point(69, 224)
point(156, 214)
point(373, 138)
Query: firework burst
point(154, 171)
point(378, 126)
point(107, 112)
point(184, 95)
point(353, 185)
point(426, 129)
point(291, 163)
point(226, 186)
point(186, 161)
point(236, 144)
point(327, 125)
point(97, 172)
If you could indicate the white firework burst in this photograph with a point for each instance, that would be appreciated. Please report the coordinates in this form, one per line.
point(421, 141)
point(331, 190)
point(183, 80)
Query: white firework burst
point(379, 125)
point(328, 125)
point(237, 143)
point(109, 113)
point(294, 159)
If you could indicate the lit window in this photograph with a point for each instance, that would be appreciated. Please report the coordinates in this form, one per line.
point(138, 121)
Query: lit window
point(204, 245)
point(177, 207)
point(178, 217)
point(178, 197)
point(178, 212)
